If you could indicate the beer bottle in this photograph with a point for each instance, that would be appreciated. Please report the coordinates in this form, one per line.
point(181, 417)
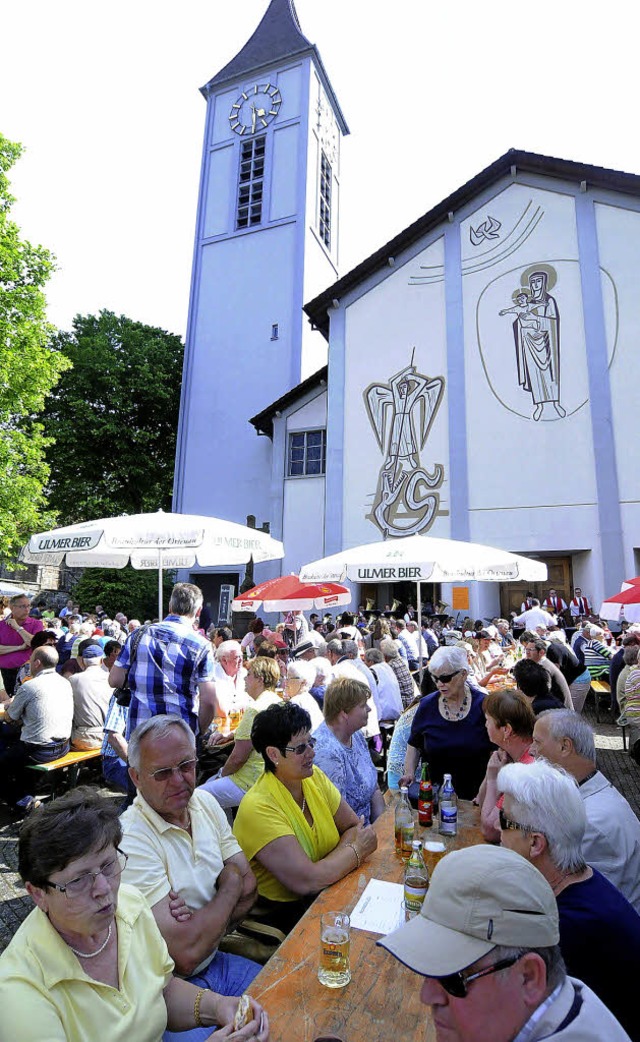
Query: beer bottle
point(425, 799)
point(448, 808)
point(404, 825)
point(416, 880)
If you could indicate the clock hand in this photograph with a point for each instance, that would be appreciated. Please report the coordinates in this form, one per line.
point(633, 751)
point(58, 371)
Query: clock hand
point(253, 119)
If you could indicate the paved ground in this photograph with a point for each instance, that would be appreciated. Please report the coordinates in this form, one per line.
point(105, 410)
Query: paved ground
point(15, 904)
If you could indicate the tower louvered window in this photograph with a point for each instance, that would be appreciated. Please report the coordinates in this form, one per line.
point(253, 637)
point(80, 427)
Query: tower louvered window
point(250, 183)
point(325, 201)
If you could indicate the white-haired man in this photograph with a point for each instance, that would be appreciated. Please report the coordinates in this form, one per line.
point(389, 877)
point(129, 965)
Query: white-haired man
point(612, 836)
point(486, 943)
point(169, 666)
point(543, 819)
point(179, 845)
point(229, 677)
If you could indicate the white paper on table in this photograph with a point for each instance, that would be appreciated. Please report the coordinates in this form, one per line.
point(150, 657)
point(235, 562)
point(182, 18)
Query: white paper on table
point(380, 908)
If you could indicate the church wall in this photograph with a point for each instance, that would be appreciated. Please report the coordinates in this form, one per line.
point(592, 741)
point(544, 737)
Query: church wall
point(619, 247)
point(304, 500)
point(537, 232)
point(390, 329)
point(545, 451)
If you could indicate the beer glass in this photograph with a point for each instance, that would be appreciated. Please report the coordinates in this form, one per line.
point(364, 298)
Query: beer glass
point(433, 851)
point(334, 970)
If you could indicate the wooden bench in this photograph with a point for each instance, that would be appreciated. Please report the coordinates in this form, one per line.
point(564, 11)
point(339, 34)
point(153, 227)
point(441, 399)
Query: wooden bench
point(68, 767)
point(601, 690)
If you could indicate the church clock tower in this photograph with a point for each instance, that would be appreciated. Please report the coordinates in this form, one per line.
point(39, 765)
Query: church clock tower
point(266, 241)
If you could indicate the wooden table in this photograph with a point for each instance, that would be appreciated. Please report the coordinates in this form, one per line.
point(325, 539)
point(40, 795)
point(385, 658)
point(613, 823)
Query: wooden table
point(382, 1002)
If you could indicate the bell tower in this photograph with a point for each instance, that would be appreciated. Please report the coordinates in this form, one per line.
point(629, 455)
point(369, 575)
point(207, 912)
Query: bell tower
point(266, 240)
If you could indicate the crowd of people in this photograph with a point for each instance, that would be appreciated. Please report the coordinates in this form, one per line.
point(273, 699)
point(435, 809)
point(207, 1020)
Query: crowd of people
point(250, 773)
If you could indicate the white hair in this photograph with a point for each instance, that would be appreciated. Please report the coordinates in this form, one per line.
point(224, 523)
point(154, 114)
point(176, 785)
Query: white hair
point(323, 668)
point(389, 648)
point(449, 660)
point(566, 723)
point(302, 670)
point(547, 799)
point(228, 647)
point(156, 727)
point(558, 636)
point(595, 632)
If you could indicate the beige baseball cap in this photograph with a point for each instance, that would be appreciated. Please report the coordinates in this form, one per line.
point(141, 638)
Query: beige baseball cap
point(478, 898)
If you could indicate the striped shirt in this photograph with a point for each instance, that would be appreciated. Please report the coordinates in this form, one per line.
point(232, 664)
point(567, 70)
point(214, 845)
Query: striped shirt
point(170, 662)
point(596, 658)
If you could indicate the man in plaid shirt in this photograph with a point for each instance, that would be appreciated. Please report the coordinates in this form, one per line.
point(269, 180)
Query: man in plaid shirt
point(173, 667)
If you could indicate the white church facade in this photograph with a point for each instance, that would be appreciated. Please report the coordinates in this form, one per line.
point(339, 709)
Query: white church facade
point(483, 367)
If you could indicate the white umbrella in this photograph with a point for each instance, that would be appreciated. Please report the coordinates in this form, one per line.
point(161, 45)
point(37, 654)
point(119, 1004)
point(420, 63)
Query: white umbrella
point(151, 541)
point(423, 559)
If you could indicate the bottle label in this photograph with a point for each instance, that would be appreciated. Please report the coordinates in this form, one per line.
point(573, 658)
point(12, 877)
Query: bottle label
point(425, 811)
point(415, 892)
point(448, 818)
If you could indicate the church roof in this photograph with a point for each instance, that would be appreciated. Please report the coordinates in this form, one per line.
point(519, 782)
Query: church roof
point(277, 38)
point(263, 421)
point(512, 161)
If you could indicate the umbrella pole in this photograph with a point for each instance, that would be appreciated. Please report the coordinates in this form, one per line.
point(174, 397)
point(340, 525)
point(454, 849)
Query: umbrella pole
point(160, 585)
point(419, 606)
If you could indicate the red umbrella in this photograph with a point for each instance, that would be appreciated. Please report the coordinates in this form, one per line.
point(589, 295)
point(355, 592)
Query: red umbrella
point(629, 583)
point(288, 594)
point(625, 605)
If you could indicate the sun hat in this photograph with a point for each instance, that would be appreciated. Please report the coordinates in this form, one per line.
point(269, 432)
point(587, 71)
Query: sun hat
point(479, 897)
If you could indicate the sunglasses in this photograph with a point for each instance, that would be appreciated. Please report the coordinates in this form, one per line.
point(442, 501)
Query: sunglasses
point(165, 773)
point(444, 678)
point(506, 823)
point(456, 984)
point(299, 749)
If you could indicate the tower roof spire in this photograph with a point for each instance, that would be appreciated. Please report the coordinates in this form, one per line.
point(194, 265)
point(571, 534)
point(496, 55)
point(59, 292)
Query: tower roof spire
point(278, 36)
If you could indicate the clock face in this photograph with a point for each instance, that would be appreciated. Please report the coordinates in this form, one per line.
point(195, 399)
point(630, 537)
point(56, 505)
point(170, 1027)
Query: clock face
point(255, 108)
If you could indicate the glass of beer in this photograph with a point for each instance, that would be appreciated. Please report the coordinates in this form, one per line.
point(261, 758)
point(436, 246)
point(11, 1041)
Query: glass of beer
point(433, 850)
point(334, 970)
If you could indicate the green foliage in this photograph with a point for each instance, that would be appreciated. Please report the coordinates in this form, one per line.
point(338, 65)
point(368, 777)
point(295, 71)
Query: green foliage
point(114, 416)
point(123, 589)
point(29, 368)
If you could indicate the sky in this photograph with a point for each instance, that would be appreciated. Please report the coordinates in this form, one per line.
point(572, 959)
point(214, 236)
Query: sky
point(104, 97)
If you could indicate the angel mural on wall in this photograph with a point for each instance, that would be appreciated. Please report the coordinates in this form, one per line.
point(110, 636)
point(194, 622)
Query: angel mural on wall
point(401, 413)
point(536, 332)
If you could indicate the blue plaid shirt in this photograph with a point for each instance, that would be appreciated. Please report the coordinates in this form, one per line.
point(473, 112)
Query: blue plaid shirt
point(171, 661)
point(115, 720)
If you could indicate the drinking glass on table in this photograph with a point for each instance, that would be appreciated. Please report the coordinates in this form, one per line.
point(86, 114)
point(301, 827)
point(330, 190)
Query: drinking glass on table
point(334, 970)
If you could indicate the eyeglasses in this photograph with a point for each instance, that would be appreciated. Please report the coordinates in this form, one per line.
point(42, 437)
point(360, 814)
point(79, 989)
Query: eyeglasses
point(444, 678)
point(456, 984)
point(165, 773)
point(506, 823)
point(84, 884)
point(299, 749)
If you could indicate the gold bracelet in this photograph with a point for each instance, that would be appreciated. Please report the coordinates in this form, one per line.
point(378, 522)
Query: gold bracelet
point(355, 851)
point(196, 1008)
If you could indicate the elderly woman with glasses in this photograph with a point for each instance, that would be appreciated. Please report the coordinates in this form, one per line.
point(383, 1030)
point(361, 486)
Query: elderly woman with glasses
point(89, 962)
point(448, 730)
point(298, 832)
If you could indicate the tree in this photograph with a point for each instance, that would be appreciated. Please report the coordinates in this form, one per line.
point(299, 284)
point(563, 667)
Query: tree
point(114, 416)
point(29, 368)
point(123, 589)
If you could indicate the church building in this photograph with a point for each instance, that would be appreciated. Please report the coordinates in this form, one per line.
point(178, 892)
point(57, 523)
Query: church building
point(481, 368)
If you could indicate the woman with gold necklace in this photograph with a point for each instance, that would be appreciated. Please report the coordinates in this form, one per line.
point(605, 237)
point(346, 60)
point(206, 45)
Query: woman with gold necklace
point(448, 730)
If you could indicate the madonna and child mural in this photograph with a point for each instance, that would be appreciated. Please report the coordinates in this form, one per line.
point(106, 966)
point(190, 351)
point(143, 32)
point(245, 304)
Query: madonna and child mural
point(530, 330)
point(401, 413)
point(536, 332)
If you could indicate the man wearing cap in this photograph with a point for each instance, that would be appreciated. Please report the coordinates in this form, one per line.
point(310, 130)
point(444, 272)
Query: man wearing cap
point(305, 650)
point(486, 942)
point(91, 697)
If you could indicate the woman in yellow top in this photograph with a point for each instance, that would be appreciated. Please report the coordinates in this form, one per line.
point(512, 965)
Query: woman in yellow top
point(89, 962)
point(244, 765)
point(293, 825)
